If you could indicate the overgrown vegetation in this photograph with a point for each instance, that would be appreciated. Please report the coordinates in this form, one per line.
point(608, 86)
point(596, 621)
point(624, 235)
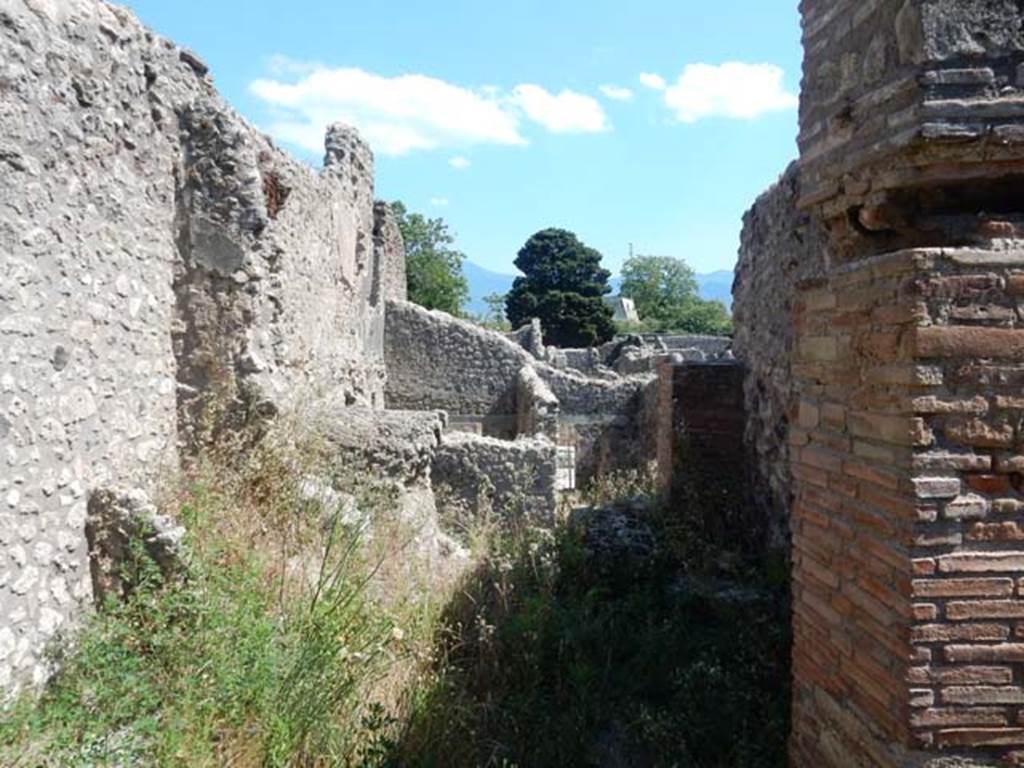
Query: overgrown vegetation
point(280, 648)
point(550, 658)
point(299, 638)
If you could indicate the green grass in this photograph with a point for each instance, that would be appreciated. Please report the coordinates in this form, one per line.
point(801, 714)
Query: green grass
point(264, 654)
point(548, 661)
point(294, 646)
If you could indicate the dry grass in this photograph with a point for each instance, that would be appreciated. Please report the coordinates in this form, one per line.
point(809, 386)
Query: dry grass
point(305, 618)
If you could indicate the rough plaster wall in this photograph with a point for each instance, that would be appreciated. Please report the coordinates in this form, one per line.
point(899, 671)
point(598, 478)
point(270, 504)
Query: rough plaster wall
point(780, 249)
point(151, 245)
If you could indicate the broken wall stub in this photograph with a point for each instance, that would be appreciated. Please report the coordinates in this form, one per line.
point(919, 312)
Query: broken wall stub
point(537, 407)
point(389, 252)
point(907, 558)
point(480, 478)
point(156, 253)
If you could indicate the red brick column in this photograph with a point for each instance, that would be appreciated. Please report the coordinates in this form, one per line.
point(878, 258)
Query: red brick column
point(908, 538)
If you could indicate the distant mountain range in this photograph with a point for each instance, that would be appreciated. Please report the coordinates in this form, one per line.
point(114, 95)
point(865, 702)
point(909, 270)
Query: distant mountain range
point(483, 282)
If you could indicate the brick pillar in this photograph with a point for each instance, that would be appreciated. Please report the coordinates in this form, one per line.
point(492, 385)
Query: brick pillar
point(908, 542)
point(908, 546)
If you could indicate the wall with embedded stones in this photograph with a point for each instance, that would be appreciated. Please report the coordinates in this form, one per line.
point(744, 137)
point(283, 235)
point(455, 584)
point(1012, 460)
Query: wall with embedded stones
point(781, 249)
point(154, 250)
point(481, 478)
point(438, 361)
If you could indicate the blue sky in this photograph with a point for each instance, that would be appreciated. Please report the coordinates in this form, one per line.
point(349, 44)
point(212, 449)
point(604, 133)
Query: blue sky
point(655, 123)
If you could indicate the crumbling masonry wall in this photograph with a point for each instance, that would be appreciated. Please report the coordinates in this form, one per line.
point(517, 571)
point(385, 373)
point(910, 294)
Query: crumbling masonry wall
point(436, 361)
point(904, 363)
point(484, 478)
point(155, 252)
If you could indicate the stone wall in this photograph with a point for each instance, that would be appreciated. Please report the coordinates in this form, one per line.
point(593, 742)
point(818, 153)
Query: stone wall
point(480, 478)
point(155, 252)
point(781, 248)
point(435, 361)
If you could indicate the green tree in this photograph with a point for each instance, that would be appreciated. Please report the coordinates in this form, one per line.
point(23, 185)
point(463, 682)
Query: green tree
point(495, 316)
point(667, 299)
point(433, 269)
point(563, 285)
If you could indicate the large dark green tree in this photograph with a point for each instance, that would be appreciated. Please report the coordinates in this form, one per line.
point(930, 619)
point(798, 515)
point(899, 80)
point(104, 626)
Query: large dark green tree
point(563, 284)
point(433, 268)
point(665, 292)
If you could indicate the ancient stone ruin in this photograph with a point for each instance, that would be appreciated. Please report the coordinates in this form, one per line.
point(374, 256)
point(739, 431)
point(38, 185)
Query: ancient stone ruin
point(156, 251)
point(167, 273)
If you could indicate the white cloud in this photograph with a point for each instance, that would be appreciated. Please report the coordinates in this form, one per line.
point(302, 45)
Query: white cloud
point(439, 202)
point(733, 90)
point(567, 112)
point(459, 163)
point(616, 92)
point(280, 65)
point(402, 114)
point(657, 82)
point(395, 114)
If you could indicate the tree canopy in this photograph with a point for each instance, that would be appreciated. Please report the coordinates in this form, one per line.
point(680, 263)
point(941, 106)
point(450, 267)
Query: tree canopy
point(563, 284)
point(433, 269)
point(665, 292)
